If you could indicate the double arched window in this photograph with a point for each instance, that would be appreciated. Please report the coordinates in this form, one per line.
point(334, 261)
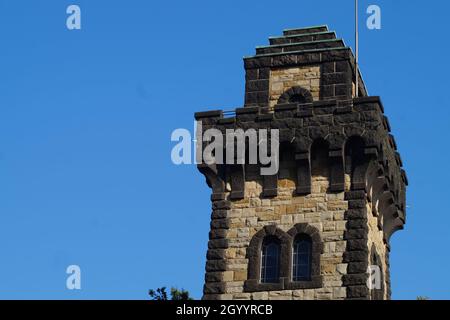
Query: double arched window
point(284, 261)
point(301, 259)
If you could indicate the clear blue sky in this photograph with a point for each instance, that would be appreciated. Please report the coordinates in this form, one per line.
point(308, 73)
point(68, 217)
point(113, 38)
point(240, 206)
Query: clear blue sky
point(86, 117)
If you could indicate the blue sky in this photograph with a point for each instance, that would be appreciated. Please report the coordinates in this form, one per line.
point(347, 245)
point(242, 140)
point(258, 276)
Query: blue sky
point(86, 117)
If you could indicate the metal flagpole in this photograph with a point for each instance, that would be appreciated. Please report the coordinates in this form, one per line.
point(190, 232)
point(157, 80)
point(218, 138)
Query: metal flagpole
point(356, 49)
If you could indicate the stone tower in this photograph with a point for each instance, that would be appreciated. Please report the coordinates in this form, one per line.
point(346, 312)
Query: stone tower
point(312, 230)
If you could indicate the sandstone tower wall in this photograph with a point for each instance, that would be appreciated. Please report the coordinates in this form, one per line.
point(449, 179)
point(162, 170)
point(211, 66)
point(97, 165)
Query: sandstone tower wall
point(340, 181)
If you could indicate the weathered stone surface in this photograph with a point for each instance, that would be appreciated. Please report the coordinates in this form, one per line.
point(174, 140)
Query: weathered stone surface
point(216, 265)
point(356, 256)
point(355, 279)
point(214, 288)
point(357, 291)
point(260, 296)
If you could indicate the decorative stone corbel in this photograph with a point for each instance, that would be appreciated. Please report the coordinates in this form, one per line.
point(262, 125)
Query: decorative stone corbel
point(214, 181)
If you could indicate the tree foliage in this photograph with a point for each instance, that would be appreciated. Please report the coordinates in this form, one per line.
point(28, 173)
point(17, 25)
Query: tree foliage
point(160, 294)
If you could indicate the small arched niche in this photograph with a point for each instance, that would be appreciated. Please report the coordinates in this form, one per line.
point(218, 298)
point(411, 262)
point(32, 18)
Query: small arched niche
point(320, 161)
point(354, 153)
point(296, 94)
point(287, 162)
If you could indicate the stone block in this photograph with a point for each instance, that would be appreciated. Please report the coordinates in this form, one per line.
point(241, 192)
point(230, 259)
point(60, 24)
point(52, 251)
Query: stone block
point(260, 296)
point(240, 275)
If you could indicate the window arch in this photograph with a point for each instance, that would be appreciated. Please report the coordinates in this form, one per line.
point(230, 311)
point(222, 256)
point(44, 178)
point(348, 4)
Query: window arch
point(302, 258)
point(306, 249)
point(270, 260)
point(296, 95)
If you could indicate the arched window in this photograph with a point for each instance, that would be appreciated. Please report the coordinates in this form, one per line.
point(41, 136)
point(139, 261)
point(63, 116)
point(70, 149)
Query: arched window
point(270, 261)
point(302, 258)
